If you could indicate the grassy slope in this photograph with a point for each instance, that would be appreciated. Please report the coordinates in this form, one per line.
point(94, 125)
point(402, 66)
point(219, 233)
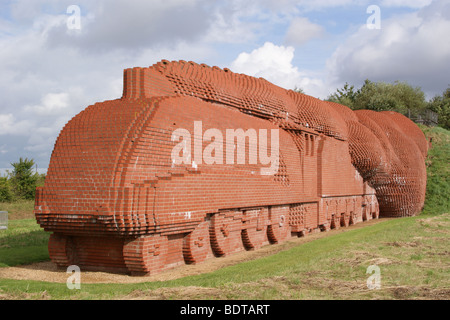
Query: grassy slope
point(21, 209)
point(412, 254)
point(438, 184)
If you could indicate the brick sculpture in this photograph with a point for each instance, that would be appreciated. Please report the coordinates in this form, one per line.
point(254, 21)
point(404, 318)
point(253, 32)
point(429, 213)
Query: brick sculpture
point(115, 199)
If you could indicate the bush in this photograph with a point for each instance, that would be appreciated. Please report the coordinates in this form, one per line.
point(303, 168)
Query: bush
point(441, 105)
point(381, 96)
point(6, 194)
point(23, 180)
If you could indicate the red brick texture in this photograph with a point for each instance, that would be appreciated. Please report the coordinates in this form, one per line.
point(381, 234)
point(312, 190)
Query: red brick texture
point(115, 200)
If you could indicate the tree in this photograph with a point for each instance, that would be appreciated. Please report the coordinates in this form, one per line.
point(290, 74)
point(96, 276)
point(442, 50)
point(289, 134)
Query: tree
point(381, 96)
point(23, 180)
point(6, 194)
point(346, 96)
point(441, 105)
point(299, 90)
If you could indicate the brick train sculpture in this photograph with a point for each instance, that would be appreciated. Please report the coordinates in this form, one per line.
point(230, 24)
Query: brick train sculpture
point(118, 198)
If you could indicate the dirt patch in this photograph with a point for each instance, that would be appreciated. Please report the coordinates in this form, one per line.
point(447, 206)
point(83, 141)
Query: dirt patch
point(420, 293)
point(400, 244)
point(179, 293)
point(47, 271)
point(25, 296)
point(278, 287)
point(439, 224)
point(382, 262)
point(333, 287)
point(362, 258)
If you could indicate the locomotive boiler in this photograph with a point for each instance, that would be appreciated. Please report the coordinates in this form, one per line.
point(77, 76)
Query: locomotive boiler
point(195, 162)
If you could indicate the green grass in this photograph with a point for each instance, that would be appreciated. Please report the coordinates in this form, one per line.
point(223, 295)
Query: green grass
point(22, 243)
point(17, 210)
point(412, 254)
point(438, 184)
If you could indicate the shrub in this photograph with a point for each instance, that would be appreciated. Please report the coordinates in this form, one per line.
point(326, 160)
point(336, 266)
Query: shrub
point(6, 194)
point(23, 180)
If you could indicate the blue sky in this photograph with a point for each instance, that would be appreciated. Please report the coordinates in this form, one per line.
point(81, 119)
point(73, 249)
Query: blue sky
point(49, 73)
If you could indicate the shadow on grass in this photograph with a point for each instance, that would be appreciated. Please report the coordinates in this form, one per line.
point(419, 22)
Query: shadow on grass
point(18, 248)
point(10, 257)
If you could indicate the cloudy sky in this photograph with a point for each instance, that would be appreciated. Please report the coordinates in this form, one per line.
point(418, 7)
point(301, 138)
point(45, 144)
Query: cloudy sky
point(53, 65)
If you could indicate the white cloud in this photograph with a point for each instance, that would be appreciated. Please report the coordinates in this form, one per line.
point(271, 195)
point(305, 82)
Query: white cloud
point(3, 149)
point(229, 26)
point(409, 47)
point(302, 30)
point(51, 103)
point(406, 3)
point(265, 60)
point(9, 125)
point(309, 5)
point(118, 24)
point(274, 63)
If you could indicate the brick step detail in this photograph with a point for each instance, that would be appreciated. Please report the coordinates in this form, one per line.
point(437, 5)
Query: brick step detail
point(166, 175)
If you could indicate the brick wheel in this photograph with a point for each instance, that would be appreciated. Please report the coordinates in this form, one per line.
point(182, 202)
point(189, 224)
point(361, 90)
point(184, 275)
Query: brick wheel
point(353, 218)
point(366, 213)
point(61, 250)
point(325, 227)
point(357, 215)
point(376, 212)
point(280, 230)
point(335, 221)
point(303, 233)
point(254, 228)
point(145, 255)
point(345, 220)
point(196, 246)
point(225, 233)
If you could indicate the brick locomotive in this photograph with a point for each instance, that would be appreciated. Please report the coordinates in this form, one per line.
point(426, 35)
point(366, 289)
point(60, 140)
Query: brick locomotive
point(115, 200)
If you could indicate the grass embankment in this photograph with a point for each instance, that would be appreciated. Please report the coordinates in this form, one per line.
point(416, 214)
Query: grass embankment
point(412, 254)
point(438, 171)
point(18, 210)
